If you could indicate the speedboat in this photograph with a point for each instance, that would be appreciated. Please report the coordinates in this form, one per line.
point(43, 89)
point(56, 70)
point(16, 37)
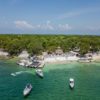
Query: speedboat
point(71, 83)
point(27, 89)
point(39, 72)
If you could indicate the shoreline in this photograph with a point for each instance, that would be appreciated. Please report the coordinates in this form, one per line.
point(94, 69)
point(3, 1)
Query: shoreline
point(14, 59)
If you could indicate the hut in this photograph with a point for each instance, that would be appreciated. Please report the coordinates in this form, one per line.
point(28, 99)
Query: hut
point(89, 55)
point(59, 51)
point(73, 53)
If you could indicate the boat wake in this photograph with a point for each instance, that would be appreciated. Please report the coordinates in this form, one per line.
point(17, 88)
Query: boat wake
point(18, 73)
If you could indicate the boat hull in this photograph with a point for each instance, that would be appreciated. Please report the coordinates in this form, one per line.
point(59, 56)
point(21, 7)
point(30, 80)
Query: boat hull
point(71, 86)
point(27, 91)
point(40, 75)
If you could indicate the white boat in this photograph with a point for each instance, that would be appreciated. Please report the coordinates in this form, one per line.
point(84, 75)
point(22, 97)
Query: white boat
point(39, 72)
point(71, 83)
point(27, 89)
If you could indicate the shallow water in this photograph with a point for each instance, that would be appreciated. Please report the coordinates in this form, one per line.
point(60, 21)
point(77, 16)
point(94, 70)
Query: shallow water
point(54, 85)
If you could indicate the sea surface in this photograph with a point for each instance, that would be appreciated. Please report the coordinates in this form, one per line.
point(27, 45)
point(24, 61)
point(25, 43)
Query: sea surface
point(54, 85)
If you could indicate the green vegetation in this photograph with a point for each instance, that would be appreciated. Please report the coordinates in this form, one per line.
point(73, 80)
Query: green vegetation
point(36, 44)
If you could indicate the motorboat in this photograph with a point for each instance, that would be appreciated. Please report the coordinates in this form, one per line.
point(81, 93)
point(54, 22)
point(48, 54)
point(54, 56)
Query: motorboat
point(71, 83)
point(27, 89)
point(39, 72)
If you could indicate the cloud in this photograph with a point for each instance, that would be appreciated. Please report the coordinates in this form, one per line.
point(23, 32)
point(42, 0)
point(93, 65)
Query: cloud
point(23, 25)
point(46, 26)
point(64, 27)
point(50, 26)
point(79, 12)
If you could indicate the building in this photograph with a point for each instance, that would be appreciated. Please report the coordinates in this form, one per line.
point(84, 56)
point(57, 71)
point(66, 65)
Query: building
point(59, 51)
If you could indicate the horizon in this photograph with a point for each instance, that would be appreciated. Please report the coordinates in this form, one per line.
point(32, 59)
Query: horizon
point(50, 34)
point(58, 17)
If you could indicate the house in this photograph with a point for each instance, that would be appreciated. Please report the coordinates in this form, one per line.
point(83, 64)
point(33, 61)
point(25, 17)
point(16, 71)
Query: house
point(72, 56)
point(89, 55)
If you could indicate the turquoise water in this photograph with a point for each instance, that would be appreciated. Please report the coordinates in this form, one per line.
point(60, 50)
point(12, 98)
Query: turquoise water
point(54, 85)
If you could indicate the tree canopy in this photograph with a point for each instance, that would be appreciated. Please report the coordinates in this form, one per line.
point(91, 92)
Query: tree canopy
point(36, 44)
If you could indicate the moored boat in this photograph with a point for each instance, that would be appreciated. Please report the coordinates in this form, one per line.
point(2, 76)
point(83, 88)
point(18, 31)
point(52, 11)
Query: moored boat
point(27, 89)
point(71, 83)
point(39, 72)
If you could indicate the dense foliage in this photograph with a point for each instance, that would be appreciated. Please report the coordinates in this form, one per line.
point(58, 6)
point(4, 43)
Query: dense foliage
point(36, 44)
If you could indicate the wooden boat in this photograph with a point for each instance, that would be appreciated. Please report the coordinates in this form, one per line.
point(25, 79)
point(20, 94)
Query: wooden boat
point(27, 89)
point(71, 83)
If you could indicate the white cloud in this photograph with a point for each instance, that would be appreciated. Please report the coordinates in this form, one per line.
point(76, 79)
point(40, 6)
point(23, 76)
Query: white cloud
point(50, 26)
point(47, 26)
point(23, 25)
point(64, 27)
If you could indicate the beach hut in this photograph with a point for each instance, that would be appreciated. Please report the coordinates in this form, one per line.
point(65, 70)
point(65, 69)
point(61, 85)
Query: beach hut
point(89, 56)
point(59, 51)
point(73, 53)
point(23, 54)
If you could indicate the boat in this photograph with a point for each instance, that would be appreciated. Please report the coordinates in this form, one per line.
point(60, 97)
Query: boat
point(27, 89)
point(71, 83)
point(39, 72)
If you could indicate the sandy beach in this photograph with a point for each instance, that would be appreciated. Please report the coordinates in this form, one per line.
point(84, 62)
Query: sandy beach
point(96, 57)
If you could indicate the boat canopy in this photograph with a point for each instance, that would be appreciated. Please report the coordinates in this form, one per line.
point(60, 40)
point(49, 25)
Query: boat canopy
point(71, 79)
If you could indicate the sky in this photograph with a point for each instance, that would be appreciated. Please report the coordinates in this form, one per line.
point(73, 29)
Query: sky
point(50, 17)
